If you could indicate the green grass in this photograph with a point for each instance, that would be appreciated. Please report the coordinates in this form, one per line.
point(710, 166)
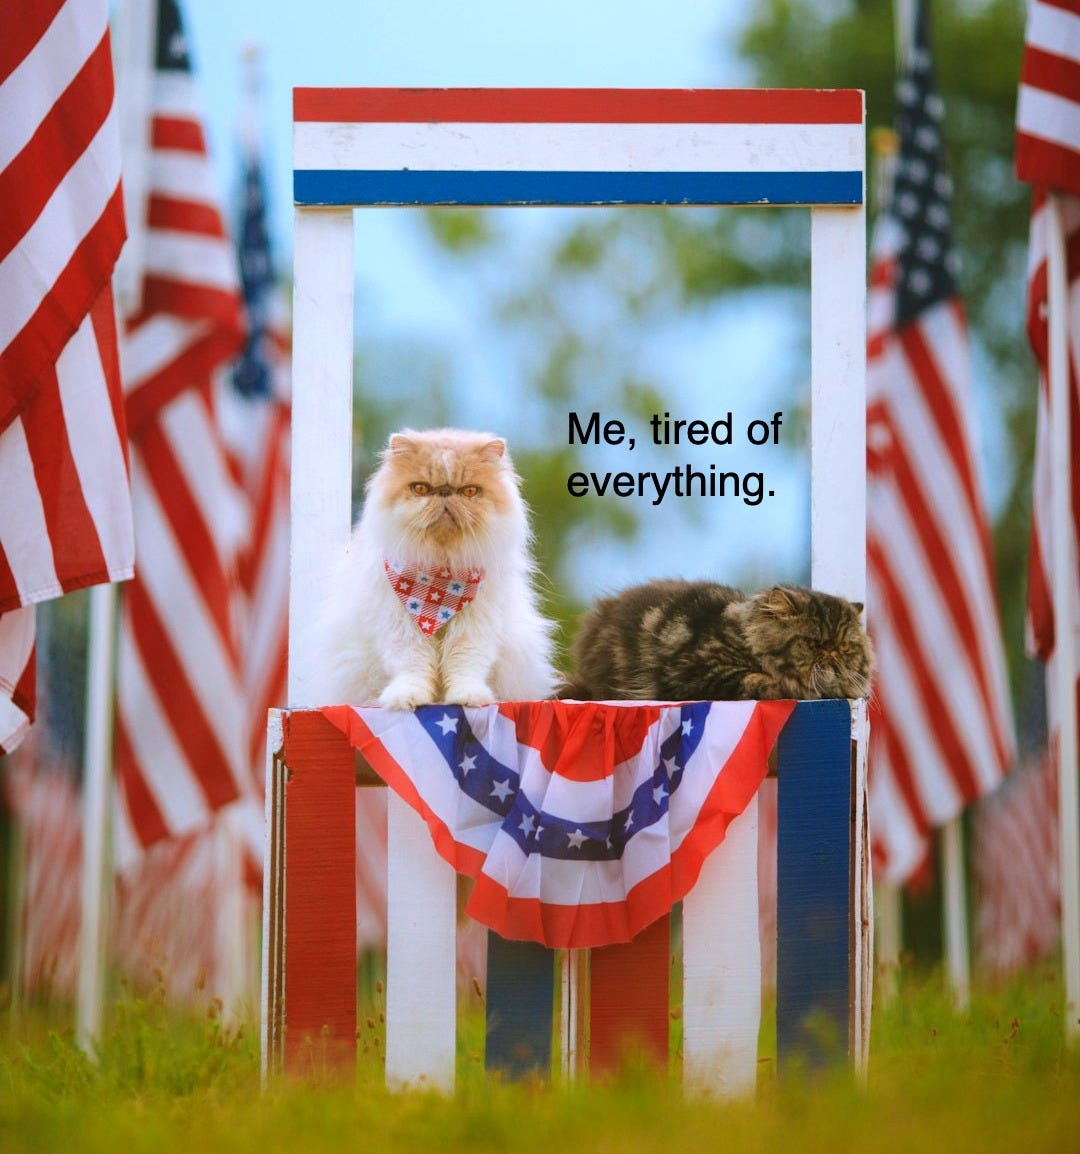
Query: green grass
point(999, 1078)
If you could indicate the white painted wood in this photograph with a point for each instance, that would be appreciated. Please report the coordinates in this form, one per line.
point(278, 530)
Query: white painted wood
point(562, 147)
point(96, 799)
point(420, 955)
point(838, 399)
point(1064, 567)
point(722, 967)
point(954, 914)
point(571, 1018)
point(321, 502)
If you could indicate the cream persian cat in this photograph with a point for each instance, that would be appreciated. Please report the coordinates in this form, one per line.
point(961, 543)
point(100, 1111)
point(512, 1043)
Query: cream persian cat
point(434, 599)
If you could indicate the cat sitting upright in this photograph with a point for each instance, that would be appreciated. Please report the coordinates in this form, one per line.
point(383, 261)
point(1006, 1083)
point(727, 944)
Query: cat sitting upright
point(434, 600)
point(697, 640)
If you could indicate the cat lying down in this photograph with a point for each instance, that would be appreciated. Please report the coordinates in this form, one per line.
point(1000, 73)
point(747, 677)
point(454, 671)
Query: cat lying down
point(434, 600)
point(699, 641)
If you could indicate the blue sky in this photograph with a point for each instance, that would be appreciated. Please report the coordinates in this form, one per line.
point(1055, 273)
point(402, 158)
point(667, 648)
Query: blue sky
point(401, 290)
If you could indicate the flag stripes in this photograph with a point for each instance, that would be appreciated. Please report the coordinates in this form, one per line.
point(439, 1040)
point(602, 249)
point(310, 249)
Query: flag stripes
point(63, 222)
point(65, 518)
point(941, 716)
point(181, 724)
point(1048, 102)
point(1040, 609)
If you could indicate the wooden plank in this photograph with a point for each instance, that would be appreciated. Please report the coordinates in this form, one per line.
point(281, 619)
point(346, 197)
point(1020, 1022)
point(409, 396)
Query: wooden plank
point(838, 398)
point(319, 989)
point(321, 485)
point(722, 966)
point(519, 1005)
point(421, 992)
point(629, 999)
point(814, 914)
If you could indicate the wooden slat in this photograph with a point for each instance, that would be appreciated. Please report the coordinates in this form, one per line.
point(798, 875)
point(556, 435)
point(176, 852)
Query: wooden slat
point(519, 1004)
point(421, 937)
point(722, 966)
point(814, 914)
point(319, 987)
point(629, 999)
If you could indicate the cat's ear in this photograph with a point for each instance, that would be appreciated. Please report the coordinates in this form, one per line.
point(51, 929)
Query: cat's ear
point(401, 443)
point(857, 606)
point(494, 449)
point(776, 601)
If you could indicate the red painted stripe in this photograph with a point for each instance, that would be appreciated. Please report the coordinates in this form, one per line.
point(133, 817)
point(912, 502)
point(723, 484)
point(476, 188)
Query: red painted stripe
point(320, 896)
point(146, 818)
point(103, 318)
point(629, 1000)
point(24, 29)
point(171, 684)
point(580, 105)
point(188, 523)
point(177, 134)
point(65, 133)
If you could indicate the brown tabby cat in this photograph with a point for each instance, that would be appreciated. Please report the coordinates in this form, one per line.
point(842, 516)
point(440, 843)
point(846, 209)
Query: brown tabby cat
point(697, 640)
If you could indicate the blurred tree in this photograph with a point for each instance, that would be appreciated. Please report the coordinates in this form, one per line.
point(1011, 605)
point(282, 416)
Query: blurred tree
point(638, 268)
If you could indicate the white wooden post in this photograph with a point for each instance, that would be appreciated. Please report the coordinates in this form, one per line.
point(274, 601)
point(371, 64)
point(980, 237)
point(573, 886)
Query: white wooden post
point(421, 989)
point(722, 966)
point(838, 399)
point(321, 494)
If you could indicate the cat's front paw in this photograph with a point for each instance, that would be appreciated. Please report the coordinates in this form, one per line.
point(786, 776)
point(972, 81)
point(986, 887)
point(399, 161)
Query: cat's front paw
point(406, 693)
point(475, 693)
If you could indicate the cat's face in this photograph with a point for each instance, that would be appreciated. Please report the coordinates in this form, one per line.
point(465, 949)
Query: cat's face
point(444, 490)
point(811, 638)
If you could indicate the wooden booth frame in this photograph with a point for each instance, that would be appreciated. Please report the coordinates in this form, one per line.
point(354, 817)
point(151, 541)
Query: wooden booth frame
point(424, 147)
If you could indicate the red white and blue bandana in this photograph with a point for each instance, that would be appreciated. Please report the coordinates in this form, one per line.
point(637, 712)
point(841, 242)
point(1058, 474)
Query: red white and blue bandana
point(433, 594)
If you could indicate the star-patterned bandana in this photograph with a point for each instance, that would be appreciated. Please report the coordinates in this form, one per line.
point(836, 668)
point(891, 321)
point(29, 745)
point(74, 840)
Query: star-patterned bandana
point(433, 595)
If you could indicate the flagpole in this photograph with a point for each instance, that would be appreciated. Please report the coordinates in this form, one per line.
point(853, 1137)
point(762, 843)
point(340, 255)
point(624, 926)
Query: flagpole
point(1063, 670)
point(135, 29)
point(95, 801)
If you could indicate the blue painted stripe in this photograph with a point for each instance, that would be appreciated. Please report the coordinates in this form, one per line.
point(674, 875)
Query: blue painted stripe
point(813, 884)
point(445, 187)
point(518, 1004)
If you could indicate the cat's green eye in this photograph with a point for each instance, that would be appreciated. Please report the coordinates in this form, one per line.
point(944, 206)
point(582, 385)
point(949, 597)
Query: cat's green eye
point(470, 491)
point(420, 488)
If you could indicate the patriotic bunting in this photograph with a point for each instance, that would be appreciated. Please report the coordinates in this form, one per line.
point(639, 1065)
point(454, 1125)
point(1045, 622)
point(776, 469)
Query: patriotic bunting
point(581, 822)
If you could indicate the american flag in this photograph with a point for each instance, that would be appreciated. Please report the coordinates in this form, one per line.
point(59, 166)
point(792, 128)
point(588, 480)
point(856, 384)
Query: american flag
point(254, 397)
point(65, 518)
point(1048, 156)
point(581, 822)
point(942, 723)
point(1016, 869)
point(181, 727)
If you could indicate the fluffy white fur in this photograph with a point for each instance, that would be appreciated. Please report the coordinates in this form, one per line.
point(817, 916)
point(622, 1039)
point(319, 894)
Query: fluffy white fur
point(496, 649)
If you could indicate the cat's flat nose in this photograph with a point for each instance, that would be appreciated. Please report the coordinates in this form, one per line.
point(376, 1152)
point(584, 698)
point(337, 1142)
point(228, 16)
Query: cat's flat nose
point(444, 490)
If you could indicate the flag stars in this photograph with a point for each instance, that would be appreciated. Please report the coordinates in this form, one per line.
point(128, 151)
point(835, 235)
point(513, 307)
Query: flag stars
point(688, 727)
point(576, 839)
point(671, 765)
point(467, 763)
point(659, 794)
point(447, 724)
point(528, 825)
point(501, 790)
